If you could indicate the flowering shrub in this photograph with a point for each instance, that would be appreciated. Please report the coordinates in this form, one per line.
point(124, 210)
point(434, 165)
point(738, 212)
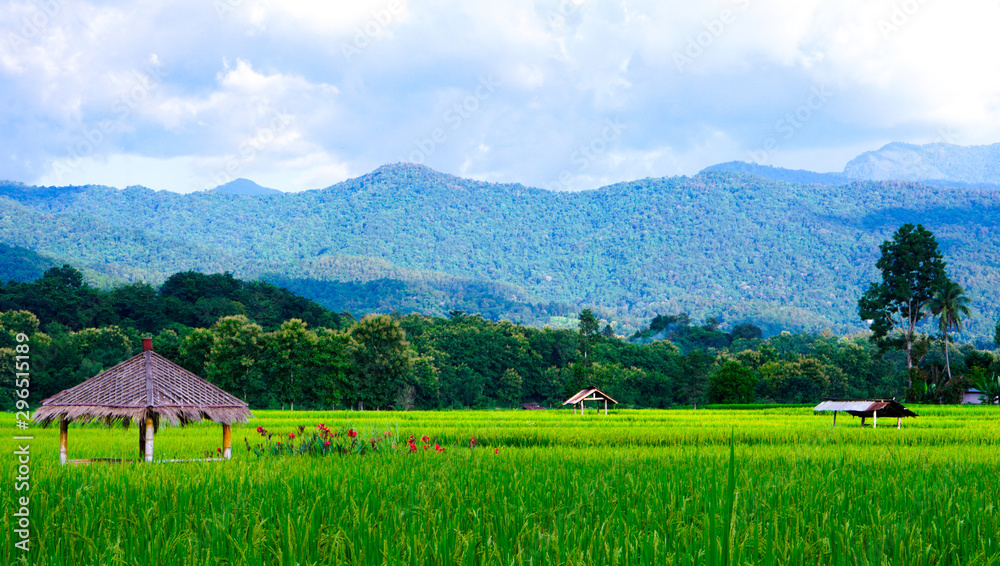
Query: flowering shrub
point(322, 441)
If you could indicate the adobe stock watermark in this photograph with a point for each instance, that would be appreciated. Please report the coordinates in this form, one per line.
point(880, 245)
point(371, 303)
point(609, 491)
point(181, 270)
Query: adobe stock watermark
point(250, 149)
point(22, 444)
point(899, 17)
point(455, 116)
point(30, 27)
point(714, 28)
point(565, 9)
point(87, 144)
point(225, 7)
point(788, 125)
point(372, 30)
point(587, 153)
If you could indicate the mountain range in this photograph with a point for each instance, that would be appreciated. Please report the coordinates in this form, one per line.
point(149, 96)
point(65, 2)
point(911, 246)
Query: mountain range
point(938, 164)
point(737, 246)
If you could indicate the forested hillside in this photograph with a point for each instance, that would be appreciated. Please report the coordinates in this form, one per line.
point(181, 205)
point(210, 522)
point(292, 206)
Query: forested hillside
point(742, 248)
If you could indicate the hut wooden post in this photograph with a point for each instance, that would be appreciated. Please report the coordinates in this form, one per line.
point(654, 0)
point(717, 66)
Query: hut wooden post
point(835, 419)
point(605, 407)
point(63, 440)
point(874, 419)
point(899, 422)
point(227, 441)
point(149, 439)
point(862, 421)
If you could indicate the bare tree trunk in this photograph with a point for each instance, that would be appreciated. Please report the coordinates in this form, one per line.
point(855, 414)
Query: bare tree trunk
point(911, 319)
point(947, 361)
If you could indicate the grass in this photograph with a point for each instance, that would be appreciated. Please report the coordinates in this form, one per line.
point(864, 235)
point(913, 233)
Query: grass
point(771, 486)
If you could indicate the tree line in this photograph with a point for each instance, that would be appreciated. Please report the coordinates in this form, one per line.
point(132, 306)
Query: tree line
point(317, 359)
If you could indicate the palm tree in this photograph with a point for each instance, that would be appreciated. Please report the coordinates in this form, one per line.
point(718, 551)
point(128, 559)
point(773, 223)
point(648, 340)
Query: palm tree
point(950, 304)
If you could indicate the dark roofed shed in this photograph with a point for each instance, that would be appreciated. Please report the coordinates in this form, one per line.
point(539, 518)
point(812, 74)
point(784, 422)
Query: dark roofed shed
point(867, 409)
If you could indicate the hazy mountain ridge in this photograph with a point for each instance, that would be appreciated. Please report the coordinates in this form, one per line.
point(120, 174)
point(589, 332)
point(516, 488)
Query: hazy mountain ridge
point(926, 163)
point(800, 176)
point(937, 164)
point(781, 254)
point(243, 186)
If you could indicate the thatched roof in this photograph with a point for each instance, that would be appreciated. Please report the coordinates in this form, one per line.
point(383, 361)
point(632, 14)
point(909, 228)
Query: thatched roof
point(589, 394)
point(145, 384)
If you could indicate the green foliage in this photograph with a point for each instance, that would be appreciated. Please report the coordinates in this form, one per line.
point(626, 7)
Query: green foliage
point(20, 264)
point(785, 256)
point(188, 299)
point(380, 359)
point(732, 383)
point(951, 305)
point(912, 270)
point(588, 328)
point(235, 358)
point(988, 384)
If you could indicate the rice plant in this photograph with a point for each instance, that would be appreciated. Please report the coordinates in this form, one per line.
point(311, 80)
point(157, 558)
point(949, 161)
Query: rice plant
point(776, 486)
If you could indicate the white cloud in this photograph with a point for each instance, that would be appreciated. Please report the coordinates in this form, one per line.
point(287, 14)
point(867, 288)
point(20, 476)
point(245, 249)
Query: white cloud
point(183, 90)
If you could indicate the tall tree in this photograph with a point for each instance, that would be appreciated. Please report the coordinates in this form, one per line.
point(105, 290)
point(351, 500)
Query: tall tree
point(732, 383)
point(234, 359)
point(912, 269)
point(950, 304)
point(381, 357)
point(589, 326)
point(996, 336)
point(286, 362)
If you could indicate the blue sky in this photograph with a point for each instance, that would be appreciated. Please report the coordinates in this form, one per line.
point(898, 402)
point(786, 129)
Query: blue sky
point(560, 94)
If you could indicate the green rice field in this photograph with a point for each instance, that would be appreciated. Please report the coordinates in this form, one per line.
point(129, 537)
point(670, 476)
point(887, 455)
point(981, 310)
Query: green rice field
point(766, 486)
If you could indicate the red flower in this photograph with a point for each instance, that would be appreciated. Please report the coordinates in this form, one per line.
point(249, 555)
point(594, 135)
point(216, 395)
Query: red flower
point(413, 447)
point(352, 433)
point(472, 443)
point(218, 449)
point(425, 438)
point(496, 450)
point(260, 429)
point(327, 443)
point(291, 435)
point(426, 447)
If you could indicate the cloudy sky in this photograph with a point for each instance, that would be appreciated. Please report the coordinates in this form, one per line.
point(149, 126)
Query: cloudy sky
point(560, 94)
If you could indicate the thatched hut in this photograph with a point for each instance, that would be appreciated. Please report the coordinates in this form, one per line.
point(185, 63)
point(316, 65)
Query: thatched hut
point(145, 388)
point(589, 394)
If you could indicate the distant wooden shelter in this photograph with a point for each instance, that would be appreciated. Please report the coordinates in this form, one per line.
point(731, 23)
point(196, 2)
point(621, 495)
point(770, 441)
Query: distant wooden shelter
point(144, 388)
point(589, 394)
point(867, 409)
point(532, 407)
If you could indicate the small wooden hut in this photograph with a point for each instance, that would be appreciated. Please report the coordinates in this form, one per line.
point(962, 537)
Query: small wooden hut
point(145, 388)
point(867, 409)
point(589, 394)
